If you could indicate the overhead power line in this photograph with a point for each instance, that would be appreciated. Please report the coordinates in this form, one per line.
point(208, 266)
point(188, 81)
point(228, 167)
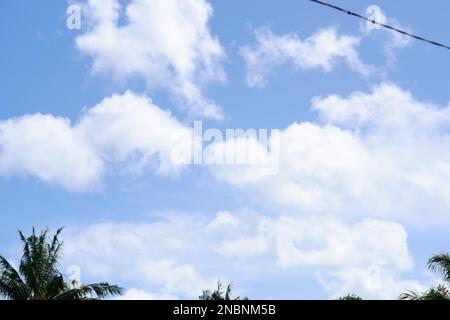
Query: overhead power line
point(349, 12)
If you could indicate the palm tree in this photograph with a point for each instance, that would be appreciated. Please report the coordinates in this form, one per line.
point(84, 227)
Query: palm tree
point(439, 293)
point(351, 297)
point(219, 294)
point(38, 277)
point(439, 263)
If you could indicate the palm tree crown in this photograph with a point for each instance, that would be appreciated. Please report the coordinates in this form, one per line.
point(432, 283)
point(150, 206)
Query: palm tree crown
point(219, 294)
point(38, 277)
point(351, 297)
point(439, 263)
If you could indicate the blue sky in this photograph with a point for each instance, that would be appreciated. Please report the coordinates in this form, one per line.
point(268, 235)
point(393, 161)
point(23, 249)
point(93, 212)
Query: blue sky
point(367, 172)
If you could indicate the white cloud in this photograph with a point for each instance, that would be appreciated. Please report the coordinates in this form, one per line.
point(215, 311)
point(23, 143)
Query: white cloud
point(158, 255)
point(126, 130)
point(223, 219)
point(182, 280)
point(166, 42)
point(320, 241)
point(387, 109)
point(139, 294)
point(47, 147)
point(391, 40)
point(381, 154)
point(130, 129)
point(245, 247)
point(330, 242)
point(322, 51)
point(178, 255)
point(370, 283)
point(348, 258)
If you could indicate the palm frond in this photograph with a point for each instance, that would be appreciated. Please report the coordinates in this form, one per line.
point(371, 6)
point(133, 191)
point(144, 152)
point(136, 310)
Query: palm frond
point(439, 293)
point(228, 292)
point(55, 286)
point(411, 295)
point(39, 263)
point(206, 295)
point(38, 277)
point(219, 294)
point(440, 263)
point(55, 247)
point(350, 297)
point(31, 263)
point(11, 284)
point(90, 292)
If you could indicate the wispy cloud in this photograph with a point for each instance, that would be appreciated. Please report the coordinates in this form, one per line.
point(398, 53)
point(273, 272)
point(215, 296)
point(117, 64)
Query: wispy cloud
point(320, 51)
point(391, 41)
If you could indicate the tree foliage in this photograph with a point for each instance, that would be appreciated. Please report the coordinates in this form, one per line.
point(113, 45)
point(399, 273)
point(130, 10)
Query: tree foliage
point(219, 293)
point(38, 277)
point(439, 263)
point(351, 297)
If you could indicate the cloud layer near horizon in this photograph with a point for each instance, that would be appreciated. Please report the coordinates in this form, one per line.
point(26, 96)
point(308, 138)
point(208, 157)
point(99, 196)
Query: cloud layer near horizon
point(191, 252)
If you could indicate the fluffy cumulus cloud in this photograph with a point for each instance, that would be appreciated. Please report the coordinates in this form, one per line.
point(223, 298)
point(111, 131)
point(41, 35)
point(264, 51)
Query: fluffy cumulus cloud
point(130, 129)
point(166, 42)
point(179, 255)
point(330, 242)
point(127, 131)
point(382, 153)
point(47, 147)
point(321, 51)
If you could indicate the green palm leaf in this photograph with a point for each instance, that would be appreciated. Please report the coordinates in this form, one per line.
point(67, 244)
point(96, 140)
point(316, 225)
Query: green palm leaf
point(219, 294)
point(90, 292)
point(38, 277)
point(440, 263)
point(439, 293)
point(11, 285)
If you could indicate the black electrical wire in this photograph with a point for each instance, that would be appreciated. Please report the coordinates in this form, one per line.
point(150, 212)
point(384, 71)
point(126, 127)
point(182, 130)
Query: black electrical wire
point(349, 12)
